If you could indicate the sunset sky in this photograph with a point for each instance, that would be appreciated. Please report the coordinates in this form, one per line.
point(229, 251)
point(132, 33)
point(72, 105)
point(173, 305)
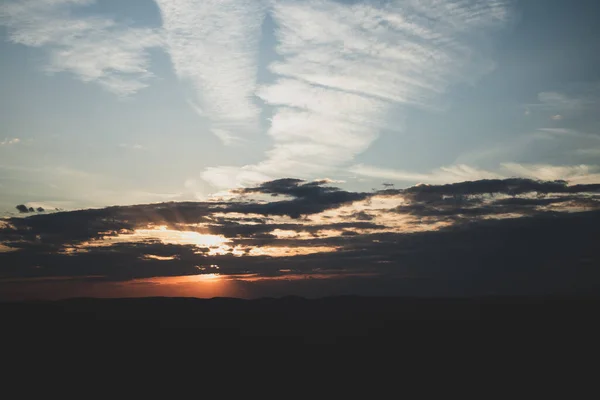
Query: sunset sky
point(274, 124)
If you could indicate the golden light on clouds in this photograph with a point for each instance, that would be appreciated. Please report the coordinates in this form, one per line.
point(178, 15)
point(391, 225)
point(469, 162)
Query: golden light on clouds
point(378, 208)
point(281, 236)
point(6, 249)
point(158, 258)
point(288, 234)
point(281, 251)
point(298, 277)
point(244, 219)
point(216, 244)
point(172, 236)
point(380, 212)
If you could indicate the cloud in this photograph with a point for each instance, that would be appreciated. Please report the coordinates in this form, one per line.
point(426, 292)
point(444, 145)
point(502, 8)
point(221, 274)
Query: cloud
point(292, 187)
point(572, 101)
point(231, 177)
point(512, 186)
point(571, 144)
point(300, 198)
point(577, 174)
point(93, 49)
point(22, 208)
point(226, 137)
point(450, 174)
point(344, 68)
point(308, 198)
point(214, 45)
point(561, 101)
point(537, 235)
point(8, 142)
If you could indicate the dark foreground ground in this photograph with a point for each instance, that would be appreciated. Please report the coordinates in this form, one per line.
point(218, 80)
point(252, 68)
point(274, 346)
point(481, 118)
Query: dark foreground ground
point(291, 316)
point(342, 341)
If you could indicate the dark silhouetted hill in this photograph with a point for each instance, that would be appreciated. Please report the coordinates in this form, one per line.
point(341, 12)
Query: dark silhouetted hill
point(318, 319)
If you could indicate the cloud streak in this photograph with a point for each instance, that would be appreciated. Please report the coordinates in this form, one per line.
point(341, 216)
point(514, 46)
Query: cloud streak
point(574, 100)
point(450, 174)
point(214, 46)
point(345, 67)
point(574, 174)
point(92, 48)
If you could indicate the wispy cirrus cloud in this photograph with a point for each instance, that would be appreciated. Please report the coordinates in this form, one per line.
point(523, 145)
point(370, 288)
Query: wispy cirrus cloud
point(345, 68)
point(214, 45)
point(586, 142)
point(449, 174)
point(231, 177)
point(561, 101)
point(574, 174)
point(572, 101)
point(571, 144)
point(93, 49)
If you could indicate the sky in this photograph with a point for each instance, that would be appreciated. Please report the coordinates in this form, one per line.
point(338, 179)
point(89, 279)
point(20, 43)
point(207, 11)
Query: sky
point(109, 102)
point(314, 120)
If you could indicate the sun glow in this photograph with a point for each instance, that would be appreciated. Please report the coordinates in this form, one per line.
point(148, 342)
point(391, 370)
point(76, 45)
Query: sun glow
point(171, 236)
point(182, 279)
point(207, 244)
